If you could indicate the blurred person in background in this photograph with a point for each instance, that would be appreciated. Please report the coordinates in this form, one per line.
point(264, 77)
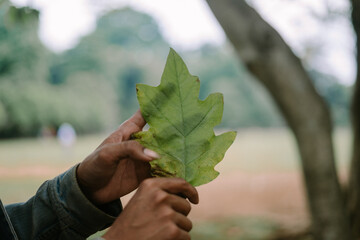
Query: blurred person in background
point(66, 136)
point(85, 199)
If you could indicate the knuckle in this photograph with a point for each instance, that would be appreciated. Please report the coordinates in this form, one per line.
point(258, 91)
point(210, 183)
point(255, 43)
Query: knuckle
point(115, 137)
point(148, 183)
point(103, 153)
point(135, 143)
point(160, 197)
point(127, 145)
point(173, 231)
point(190, 226)
point(132, 146)
point(187, 208)
point(183, 182)
point(169, 214)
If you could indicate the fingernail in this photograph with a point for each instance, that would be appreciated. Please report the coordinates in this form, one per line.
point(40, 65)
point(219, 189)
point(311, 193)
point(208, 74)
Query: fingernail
point(151, 153)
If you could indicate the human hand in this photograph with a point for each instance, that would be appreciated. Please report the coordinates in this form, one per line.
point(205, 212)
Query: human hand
point(156, 212)
point(117, 166)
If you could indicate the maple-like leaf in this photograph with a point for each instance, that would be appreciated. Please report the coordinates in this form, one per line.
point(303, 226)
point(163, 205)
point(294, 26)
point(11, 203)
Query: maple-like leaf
point(181, 125)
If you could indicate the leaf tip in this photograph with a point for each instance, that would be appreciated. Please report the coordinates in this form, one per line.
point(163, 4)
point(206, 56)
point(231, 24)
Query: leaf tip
point(172, 50)
point(173, 53)
point(233, 134)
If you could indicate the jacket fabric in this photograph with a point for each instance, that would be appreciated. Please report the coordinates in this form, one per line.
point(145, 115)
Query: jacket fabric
point(59, 210)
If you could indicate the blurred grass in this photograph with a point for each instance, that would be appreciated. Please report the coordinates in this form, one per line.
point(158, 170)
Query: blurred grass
point(18, 189)
point(45, 155)
point(263, 150)
point(45, 152)
point(254, 150)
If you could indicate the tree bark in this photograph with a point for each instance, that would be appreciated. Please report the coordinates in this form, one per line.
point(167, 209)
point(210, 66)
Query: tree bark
point(354, 181)
point(273, 63)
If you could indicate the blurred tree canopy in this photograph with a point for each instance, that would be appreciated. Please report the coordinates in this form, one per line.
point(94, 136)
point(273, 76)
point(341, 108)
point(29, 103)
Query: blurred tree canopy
point(92, 86)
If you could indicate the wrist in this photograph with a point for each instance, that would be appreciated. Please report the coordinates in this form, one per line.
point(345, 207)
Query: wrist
point(83, 186)
point(106, 236)
point(113, 234)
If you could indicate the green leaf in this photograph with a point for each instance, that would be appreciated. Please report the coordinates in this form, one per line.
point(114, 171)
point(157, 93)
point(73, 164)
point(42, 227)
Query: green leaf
point(181, 125)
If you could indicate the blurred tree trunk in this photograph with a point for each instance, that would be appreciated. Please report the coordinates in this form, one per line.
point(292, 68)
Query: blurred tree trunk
point(270, 59)
point(354, 183)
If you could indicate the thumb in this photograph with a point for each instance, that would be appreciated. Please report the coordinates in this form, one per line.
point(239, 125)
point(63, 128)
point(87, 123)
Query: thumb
point(112, 153)
point(123, 133)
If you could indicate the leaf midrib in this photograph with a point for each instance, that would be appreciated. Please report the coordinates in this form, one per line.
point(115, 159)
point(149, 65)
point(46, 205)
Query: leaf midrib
point(182, 116)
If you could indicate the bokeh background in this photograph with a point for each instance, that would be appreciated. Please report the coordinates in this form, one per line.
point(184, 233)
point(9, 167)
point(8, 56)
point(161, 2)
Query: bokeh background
point(78, 62)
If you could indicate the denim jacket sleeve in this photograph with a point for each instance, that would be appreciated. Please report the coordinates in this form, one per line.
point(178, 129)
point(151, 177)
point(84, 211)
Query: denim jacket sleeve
point(59, 210)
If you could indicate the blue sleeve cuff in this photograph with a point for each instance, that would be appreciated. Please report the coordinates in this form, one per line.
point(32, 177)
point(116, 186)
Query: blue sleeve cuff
point(76, 210)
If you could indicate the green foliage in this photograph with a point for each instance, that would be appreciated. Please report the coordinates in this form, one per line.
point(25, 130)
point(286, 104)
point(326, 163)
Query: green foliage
point(92, 85)
point(29, 106)
point(28, 100)
point(23, 57)
point(133, 29)
point(181, 126)
point(121, 50)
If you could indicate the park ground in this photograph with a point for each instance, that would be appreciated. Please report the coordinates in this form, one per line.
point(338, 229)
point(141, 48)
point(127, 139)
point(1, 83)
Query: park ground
point(258, 195)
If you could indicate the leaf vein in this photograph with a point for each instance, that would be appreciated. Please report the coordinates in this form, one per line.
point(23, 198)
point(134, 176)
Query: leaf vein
point(182, 113)
point(167, 153)
point(171, 123)
point(199, 123)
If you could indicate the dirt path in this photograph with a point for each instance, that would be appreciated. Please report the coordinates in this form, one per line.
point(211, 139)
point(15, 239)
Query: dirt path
point(278, 196)
point(34, 171)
